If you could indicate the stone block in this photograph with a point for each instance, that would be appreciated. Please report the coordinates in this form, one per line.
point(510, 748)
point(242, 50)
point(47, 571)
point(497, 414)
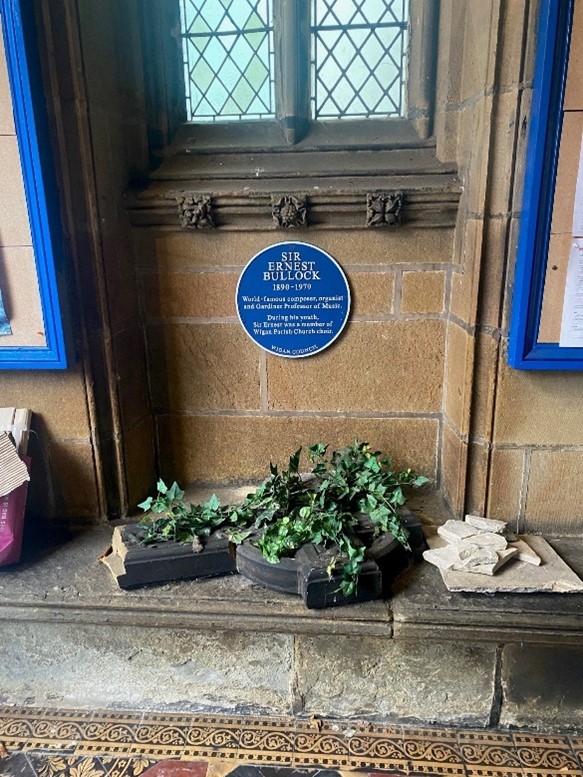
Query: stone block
point(553, 500)
point(454, 453)
point(450, 54)
point(372, 293)
point(538, 408)
point(423, 292)
point(492, 271)
point(503, 150)
point(120, 275)
point(132, 375)
point(477, 72)
point(464, 283)
point(485, 369)
point(230, 448)
point(203, 366)
point(73, 479)
point(510, 51)
point(190, 294)
point(380, 366)
point(446, 134)
point(505, 484)
point(143, 667)
point(474, 152)
point(477, 476)
point(140, 464)
point(176, 251)
point(58, 400)
point(458, 376)
point(401, 681)
point(542, 688)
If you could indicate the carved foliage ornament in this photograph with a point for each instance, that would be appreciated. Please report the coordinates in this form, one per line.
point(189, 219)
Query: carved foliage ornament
point(383, 209)
point(289, 211)
point(195, 211)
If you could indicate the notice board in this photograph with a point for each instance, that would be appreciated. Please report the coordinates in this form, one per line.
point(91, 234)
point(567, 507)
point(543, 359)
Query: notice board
point(31, 326)
point(546, 330)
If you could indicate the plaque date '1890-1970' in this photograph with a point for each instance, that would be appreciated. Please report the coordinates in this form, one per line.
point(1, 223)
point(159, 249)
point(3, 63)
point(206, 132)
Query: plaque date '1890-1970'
point(293, 299)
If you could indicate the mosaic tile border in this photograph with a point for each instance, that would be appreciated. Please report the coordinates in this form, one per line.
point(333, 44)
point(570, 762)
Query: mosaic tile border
point(123, 744)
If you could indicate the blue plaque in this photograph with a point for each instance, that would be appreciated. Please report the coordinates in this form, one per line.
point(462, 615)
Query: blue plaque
point(293, 299)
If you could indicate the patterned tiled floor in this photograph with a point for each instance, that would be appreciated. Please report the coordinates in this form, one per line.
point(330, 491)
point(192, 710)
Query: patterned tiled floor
point(47, 743)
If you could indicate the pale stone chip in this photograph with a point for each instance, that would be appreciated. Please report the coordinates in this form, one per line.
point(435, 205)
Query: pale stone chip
point(487, 562)
point(525, 552)
point(487, 524)
point(454, 531)
point(493, 541)
point(442, 558)
point(479, 557)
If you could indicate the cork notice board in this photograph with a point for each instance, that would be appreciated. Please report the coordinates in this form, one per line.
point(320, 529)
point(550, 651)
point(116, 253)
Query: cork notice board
point(546, 330)
point(31, 332)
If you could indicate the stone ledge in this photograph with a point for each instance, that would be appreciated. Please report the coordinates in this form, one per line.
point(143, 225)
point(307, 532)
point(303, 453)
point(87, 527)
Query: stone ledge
point(67, 584)
point(423, 608)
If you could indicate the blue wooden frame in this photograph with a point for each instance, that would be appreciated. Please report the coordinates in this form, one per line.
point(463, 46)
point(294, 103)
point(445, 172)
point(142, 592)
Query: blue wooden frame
point(39, 184)
point(524, 352)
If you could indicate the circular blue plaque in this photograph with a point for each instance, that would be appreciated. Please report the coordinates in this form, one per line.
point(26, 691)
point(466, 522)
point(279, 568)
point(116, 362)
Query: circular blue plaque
point(293, 299)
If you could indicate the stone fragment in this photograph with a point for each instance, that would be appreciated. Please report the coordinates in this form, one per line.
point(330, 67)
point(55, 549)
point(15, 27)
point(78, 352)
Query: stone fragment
point(453, 531)
point(486, 561)
point(493, 541)
point(552, 576)
point(474, 556)
point(442, 558)
point(487, 524)
point(525, 552)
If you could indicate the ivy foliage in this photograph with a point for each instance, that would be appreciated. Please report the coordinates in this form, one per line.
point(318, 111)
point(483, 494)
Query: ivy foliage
point(290, 509)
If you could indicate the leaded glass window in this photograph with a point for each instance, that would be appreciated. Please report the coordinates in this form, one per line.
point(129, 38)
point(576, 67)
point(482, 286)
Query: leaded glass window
point(228, 59)
point(354, 52)
point(358, 58)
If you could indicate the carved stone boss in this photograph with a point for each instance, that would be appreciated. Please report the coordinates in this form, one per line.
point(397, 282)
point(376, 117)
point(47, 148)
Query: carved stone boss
point(195, 211)
point(384, 209)
point(289, 211)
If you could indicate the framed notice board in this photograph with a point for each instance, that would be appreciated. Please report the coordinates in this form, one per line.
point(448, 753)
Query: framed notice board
point(546, 329)
point(31, 329)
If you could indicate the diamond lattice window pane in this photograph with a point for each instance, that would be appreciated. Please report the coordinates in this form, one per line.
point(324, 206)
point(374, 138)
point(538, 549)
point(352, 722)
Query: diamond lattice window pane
point(358, 58)
point(228, 59)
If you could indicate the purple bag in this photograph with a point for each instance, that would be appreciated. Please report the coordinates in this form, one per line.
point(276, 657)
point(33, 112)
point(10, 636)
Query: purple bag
point(12, 522)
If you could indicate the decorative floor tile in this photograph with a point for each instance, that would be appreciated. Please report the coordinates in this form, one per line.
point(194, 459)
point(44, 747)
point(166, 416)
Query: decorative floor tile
point(545, 756)
point(111, 743)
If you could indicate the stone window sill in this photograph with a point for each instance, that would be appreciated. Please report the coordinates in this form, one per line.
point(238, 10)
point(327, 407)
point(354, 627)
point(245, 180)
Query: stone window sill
point(239, 186)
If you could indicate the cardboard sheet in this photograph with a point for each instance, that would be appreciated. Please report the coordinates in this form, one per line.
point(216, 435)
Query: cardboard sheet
point(13, 471)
